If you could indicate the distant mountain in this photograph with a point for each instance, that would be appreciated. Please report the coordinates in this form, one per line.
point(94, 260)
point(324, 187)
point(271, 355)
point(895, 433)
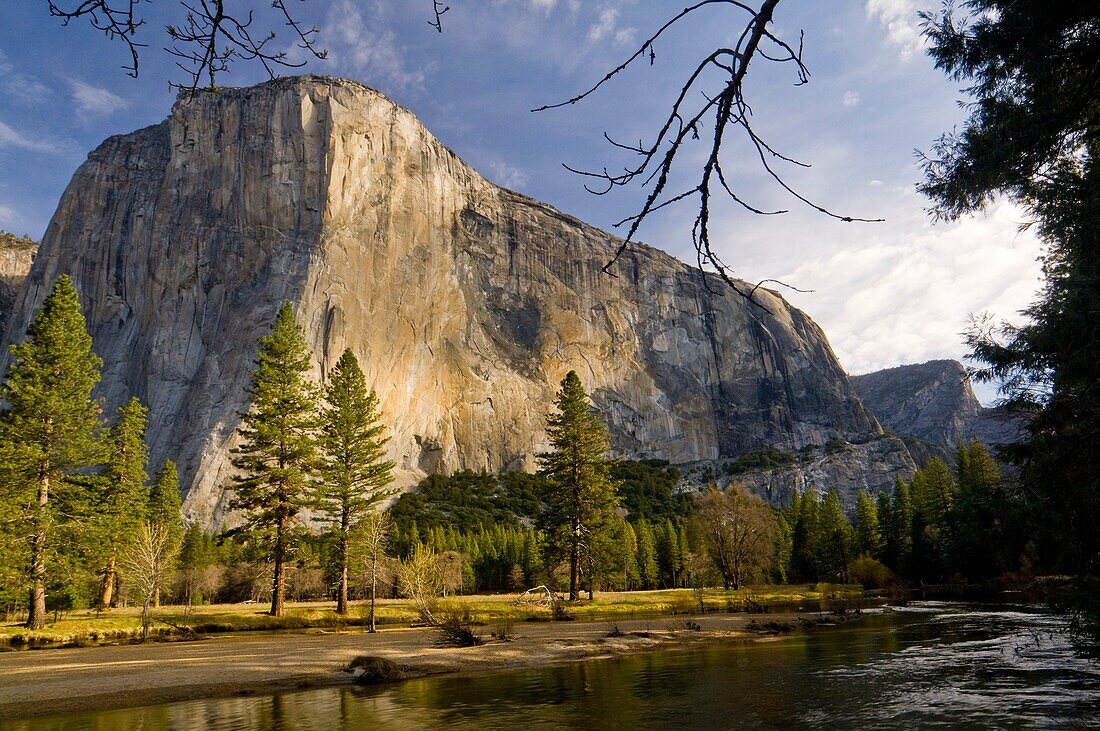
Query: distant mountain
point(933, 402)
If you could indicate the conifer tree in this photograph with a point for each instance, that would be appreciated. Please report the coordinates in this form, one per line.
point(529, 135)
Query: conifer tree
point(355, 471)
point(277, 456)
point(164, 501)
point(580, 495)
point(165, 512)
point(49, 425)
point(121, 497)
point(833, 540)
point(900, 533)
point(868, 538)
point(647, 555)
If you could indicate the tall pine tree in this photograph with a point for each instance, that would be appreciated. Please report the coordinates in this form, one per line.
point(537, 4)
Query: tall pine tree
point(277, 456)
point(580, 496)
point(120, 495)
point(355, 471)
point(49, 425)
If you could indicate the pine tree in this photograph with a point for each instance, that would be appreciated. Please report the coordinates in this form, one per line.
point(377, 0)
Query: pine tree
point(833, 539)
point(164, 501)
point(885, 521)
point(868, 537)
point(647, 555)
point(900, 534)
point(355, 471)
point(277, 455)
point(981, 509)
point(580, 495)
point(50, 424)
point(121, 497)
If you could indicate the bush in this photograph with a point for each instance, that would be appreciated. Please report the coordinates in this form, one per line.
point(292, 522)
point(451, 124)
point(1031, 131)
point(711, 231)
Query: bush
point(455, 631)
point(870, 573)
point(370, 670)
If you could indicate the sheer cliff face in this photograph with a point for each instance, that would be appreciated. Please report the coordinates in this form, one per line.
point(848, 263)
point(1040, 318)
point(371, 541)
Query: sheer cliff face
point(16, 255)
point(933, 402)
point(465, 303)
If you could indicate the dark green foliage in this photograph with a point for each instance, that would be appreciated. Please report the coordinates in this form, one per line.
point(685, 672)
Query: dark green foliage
point(278, 453)
point(470, 501)
point(354, 470)
point(119, 498)
point(647, 490)
point(1033, 134)
point(764, 459)
point(868, 534)
point(580, 496)
point(164, 499)
point(48, 428)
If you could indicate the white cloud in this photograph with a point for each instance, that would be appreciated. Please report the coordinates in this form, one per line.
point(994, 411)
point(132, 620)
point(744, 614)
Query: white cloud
point(11, 138)
point(15, 85)
point(356, 43)
point(604, 26)
point(507, 175)
point(850, 99)
point(908, 300)
point(544, 5)
point(7, 215)
point(899, 19)
point(95, 101)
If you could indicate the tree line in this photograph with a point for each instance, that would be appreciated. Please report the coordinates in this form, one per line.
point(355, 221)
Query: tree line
point(82, 518)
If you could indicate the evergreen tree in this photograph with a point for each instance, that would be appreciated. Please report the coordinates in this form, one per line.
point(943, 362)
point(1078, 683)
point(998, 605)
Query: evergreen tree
point(277, 455)
point(804, 533)
point(647, 555)
point(355, 471)
point(885, 520)
point(580, 496)
point(1034, 135)
point(121, 497)
point(900, 532)
point(164, 501)
point(49, 425)
point(868, 537)
point(982, 509)
point(833, 540)
point(935, 530)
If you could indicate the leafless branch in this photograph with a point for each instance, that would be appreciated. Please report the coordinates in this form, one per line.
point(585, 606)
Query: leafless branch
point(211, 39)
point(438, 8)
point(725, 109)
point(117, 20)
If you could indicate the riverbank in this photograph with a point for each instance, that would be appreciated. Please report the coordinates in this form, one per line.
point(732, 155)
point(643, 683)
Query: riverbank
point(88, 627)
point(108, 677)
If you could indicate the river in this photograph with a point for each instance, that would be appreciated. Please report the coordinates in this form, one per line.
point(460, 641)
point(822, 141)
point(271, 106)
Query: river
point(929, 665)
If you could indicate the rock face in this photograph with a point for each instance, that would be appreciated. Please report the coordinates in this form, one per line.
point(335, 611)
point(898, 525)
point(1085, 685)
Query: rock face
point(465, 303)
point(933, 402)
point(16, 256)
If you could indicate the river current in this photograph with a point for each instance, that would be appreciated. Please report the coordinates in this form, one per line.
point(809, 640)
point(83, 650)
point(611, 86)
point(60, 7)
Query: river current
point(930, 665)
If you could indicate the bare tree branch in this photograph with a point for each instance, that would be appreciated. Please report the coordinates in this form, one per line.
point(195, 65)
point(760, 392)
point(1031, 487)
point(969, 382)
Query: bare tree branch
point(438, 8)
point(726, 109)
point(117, 20)
point(211, 39)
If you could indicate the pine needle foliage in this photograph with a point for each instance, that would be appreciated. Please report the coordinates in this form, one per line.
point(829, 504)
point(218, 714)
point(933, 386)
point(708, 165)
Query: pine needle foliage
point(277, 456)
point(49, 425)
point(580, 495)
point(354, 470)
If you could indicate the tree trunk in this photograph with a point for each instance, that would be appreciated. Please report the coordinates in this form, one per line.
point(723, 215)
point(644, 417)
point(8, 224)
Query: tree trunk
point(342, 599)
point(36, 612)
point(107, 589)
point(278, 581)
point(573, 560)
point(373, 589)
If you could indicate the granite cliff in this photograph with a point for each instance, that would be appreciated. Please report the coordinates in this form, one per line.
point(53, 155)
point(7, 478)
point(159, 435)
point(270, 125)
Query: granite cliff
point(16, 256)
point(933, 402)
point(465, 302)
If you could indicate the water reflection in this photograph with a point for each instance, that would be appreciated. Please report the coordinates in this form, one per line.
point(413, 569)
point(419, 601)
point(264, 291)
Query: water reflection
point(932, 665)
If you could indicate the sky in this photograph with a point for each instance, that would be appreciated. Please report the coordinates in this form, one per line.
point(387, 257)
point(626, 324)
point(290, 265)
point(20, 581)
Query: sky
point(889, 293)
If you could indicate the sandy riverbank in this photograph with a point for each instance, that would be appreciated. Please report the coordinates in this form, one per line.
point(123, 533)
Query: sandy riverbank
point(37, 683)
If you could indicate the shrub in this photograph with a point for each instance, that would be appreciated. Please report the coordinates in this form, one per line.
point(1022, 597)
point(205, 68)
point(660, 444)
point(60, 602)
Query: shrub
point(870, 573)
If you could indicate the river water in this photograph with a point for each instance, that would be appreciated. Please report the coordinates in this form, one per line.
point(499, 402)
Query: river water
point(929, 665)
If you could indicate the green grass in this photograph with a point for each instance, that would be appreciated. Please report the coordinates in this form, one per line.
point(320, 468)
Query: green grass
point(84, 627)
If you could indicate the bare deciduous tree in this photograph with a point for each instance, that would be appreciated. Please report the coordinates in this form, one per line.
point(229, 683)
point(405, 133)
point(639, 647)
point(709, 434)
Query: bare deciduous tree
point(368, 544)
point(420, 581)
point(146, 566)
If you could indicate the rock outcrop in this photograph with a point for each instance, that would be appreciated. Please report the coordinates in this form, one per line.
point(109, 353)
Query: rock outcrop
point(16, 256)
point(466, 303)
point(933, 402)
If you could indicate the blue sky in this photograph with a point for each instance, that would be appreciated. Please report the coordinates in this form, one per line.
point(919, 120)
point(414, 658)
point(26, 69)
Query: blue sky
point(895, 292)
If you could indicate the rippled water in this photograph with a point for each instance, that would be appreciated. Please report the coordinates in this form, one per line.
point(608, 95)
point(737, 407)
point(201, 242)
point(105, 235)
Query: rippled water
point(930, 665)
